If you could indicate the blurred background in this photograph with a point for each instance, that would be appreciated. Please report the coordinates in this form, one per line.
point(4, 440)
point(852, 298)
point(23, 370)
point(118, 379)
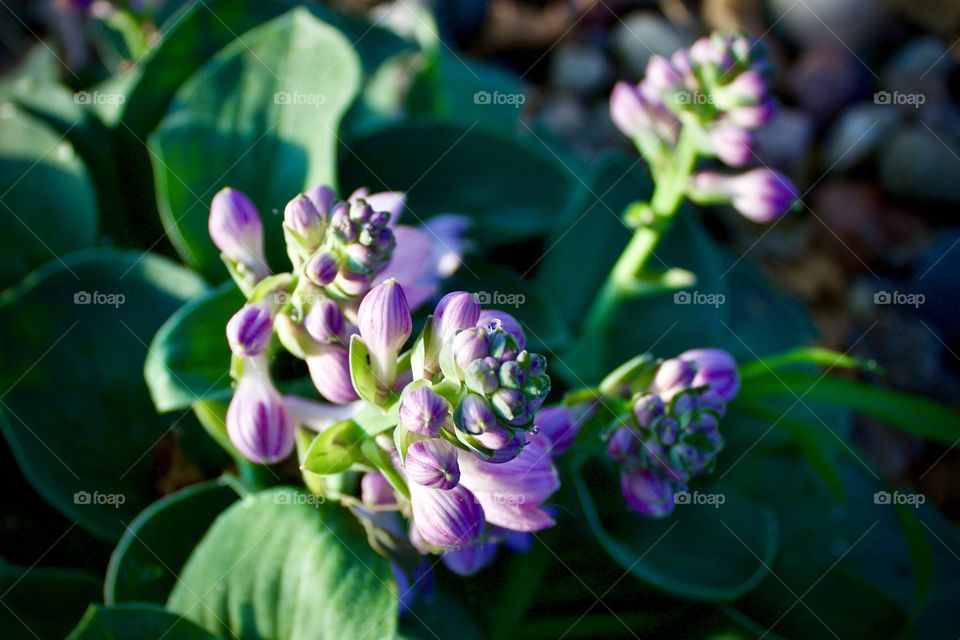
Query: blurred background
point(868, 128)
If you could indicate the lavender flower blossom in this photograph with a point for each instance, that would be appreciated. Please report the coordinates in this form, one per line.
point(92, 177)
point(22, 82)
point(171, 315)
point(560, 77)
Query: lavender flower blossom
point(325, 322)
point(330, 372)
point(250, 329)
point(433, 463)
point(446, 518)
point(385, 325)
point(647, 493)
point(235, 227)
point(257, 421)
point(423, 411)
point(715, 368)
point(761, 195)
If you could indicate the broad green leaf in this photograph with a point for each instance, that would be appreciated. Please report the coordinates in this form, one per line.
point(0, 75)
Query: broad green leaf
point(48, 206)
point(189, 357)
point(511, 187)
point(135, 622)
point(261, 116)
point(907, 412)
point(77, 413)
point(335, 449)
point(691, 554)
point(41, 602)
point(803, 356)
point(275, 565)
point(157, 543)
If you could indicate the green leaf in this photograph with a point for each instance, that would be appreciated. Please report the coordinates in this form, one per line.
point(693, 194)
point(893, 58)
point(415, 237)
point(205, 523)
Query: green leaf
point(276, 566)
point(42, 602)
point(511, 187)
point(335, 449)
point(189, 357)
point(135, 621)
point(692, 553)
point(49, 206)
point(77, 413)
point(803, 356)
point(907, 412)
point(265, 112)
point(156, 545)
point(361, 371)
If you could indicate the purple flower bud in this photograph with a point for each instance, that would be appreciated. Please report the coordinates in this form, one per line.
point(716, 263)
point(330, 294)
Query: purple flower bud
point(322, 197)
point(623, 445)
point(258, 424)
point(763, 195)
point(717, 369)
point(449, 519)
point(752, 116)
point(647, 493)
point(481, 377)
point(648, 408)
point(558, 426)
point(469, 345)
point(466, 561)
point(250, 329)
point(235, 227)
point(732, 144)
point(667, 431)
point(375, 490)
point(512, 374)
point(504, 444)
point(423, 411)
point(629, 110)
point(747, 89)
point(710, 400)
point(302, 217)
point(507, 322)
point(673, 375)
point(473, 415)
point(683, 403)
point(330, 372)
point(322, 268)
point(325, 322)
point(661, 75)
point(511, 406)
point(455, 311)
point(433, 463)
point(385, 325)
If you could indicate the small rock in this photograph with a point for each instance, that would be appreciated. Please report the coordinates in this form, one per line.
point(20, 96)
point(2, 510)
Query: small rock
point(785, 141)
point(856, 135)
point(853, 24)
point(825, 80)
point(921, 163)
point(642, 34)
point(579, 69)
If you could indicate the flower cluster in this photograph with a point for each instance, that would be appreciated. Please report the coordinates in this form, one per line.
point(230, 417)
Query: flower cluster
point(715, 93)
point(671, 433)
point(339, 249)
point(469, 463)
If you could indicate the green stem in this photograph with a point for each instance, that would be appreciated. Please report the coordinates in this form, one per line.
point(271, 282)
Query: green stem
point(631, 264)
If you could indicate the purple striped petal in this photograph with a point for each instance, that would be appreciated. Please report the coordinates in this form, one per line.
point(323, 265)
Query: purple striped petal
point(448, 519)
point(330, 372)
point(433, 463)
point(257, 421)
point(250, 329)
